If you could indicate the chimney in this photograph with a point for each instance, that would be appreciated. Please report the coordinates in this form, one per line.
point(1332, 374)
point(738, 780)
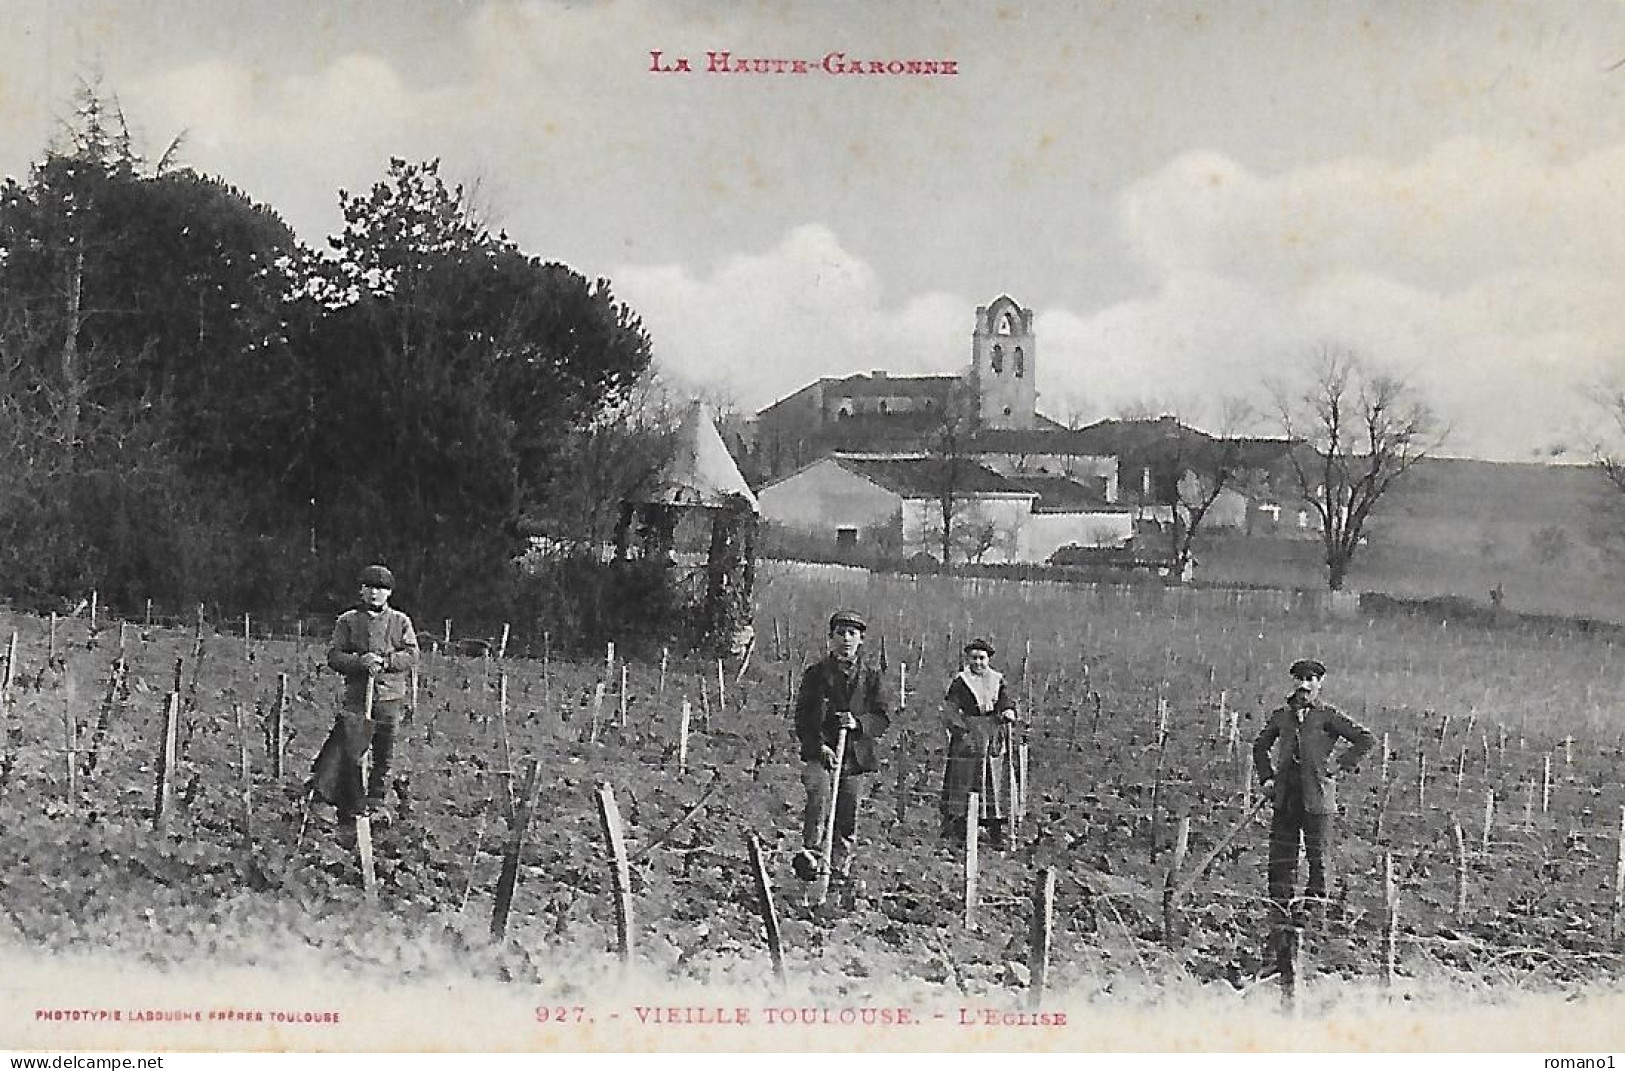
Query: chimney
point(878, 373)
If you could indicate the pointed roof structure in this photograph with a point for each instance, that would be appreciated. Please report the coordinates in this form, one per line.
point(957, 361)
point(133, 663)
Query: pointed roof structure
point(701, 471)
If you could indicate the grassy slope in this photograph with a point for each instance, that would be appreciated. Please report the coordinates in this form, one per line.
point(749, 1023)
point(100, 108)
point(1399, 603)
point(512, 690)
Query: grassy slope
point(1461, 527)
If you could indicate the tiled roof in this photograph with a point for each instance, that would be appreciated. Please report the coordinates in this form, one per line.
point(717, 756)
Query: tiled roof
point(1058, 494)
point(916, 477)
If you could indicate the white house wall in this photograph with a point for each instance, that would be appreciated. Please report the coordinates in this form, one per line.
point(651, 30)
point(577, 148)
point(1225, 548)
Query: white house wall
point(825, 497)
point(1009, 513)
point(1045, 533)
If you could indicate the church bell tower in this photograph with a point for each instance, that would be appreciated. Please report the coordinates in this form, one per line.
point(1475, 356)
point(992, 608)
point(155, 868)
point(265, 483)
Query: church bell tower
point(1004, 370)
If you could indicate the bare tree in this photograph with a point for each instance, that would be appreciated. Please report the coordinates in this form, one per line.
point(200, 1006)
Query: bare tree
point(948, 449)
point(1606, 453)
point(1204, 468)
point(1353, 434)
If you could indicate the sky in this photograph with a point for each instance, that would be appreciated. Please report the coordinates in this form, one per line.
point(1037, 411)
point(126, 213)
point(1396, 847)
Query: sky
point(1195, 198)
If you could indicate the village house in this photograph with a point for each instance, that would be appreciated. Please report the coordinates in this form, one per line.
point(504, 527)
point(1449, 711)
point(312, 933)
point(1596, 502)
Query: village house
point(843, 456)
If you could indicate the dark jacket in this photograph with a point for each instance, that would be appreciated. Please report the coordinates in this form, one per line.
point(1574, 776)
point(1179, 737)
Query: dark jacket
point(826, 690)
point(1302, 750)
point(359, 632)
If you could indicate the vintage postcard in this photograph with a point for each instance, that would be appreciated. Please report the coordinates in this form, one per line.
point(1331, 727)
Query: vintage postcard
point(1146, 526)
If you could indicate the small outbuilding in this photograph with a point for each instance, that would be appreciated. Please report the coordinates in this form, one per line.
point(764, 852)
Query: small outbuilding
point(701, 476)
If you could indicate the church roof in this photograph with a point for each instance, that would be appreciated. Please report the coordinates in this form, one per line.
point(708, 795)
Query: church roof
point(885, 385)
point(701, 472)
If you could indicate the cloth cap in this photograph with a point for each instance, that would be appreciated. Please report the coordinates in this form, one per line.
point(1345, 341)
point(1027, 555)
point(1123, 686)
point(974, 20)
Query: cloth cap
point(1304, 668)
point(980, 645)
point(848, 618)
point(377, 576)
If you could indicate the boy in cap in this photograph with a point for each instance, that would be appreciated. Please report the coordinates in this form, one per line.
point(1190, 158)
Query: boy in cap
point(842, 691)
point(1294, 750)
point(373, 642)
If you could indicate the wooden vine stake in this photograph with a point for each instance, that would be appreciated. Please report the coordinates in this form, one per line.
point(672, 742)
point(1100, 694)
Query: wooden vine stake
point(1390, 926)
point(764, 903)
point(1461, 869)
point(622, 719)
point(597, 710)
point(363, 847)
point(973, 814)
point(70, 738)
point(1170, 887)
point(166, 764)
point(1020, 817)
point(518, 824)
point(279, 725)
point(1546, 785)
point(1619, 875)
point(1043, 930)
point(11, 670)
point(502, 736)
point(682, 736)
point(620, 873)
point(245, 772)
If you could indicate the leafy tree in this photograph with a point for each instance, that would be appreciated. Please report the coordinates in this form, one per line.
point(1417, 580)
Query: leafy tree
point(1355, 433)
point(448, 373)
point(139, 322)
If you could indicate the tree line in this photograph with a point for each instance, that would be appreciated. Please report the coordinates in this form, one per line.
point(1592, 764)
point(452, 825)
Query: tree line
point(197, 407)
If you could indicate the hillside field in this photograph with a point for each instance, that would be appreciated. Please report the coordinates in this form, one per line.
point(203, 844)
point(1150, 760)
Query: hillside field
point(1547, 534)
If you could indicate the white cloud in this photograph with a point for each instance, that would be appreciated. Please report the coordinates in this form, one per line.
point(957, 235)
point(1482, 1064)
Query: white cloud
point(761, 325)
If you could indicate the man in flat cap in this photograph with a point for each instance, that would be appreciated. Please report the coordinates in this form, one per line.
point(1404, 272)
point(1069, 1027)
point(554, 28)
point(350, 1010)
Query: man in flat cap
point(1294, 751)
point(373, 642)
point(841, 710)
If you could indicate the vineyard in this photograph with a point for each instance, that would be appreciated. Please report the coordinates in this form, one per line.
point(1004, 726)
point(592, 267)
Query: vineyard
point(152, 774)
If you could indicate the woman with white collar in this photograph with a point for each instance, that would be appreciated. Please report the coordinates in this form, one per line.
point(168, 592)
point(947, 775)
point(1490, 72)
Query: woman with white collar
point(981, 752)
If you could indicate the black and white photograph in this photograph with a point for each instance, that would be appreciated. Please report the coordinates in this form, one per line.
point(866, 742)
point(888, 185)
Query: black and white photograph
point(537, 526)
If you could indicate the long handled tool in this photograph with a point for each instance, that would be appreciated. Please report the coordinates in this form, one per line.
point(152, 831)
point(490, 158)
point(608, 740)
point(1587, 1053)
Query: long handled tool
point(1195, 872)
point(827, 845)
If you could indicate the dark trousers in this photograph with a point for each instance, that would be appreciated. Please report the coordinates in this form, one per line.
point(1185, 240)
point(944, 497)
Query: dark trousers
point(337, 778)
point(1290, 824)
point(853, 790)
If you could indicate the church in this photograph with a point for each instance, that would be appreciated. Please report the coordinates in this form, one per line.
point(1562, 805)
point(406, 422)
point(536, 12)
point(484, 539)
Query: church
point(863, 458)
point(878, 411)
